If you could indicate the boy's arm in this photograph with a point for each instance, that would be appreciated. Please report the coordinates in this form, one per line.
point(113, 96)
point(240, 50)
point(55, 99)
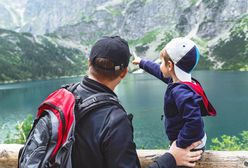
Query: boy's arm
point(188, 105)
point(151, 67)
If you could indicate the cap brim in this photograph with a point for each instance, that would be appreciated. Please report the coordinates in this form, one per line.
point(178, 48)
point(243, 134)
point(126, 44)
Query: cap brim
point(181, 75)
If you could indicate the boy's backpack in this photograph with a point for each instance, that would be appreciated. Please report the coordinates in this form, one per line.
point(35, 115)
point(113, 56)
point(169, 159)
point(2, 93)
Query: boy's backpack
point(50, 141)
point(208, 109)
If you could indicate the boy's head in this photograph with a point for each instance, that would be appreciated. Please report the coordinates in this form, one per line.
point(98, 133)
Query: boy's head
point(185, 55)
point(109, 57)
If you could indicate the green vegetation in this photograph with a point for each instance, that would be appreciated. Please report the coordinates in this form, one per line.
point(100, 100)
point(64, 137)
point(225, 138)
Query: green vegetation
point(126, 1)
point(85, 18)
point(204, 62)
point(168, 36)
point(113, 11)
point(201, 42)
point(234, 50)
point(90, 40)
point(231, 143)
point(146, 39)
point(24, 56)
point(217, 4)
point(144, 1)
point(19, 135)
point(193, 2)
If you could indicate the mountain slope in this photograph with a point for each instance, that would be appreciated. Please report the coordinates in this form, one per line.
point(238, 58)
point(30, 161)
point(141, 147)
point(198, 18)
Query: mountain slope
point(149, 25)
point(219, 27)
point(25, 56)
point(232, 51)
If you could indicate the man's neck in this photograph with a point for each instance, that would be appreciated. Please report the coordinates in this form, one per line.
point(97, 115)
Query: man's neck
point(111, 85)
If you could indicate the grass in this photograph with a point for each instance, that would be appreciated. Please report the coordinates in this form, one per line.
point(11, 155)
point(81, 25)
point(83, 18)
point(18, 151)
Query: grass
point(146, 39)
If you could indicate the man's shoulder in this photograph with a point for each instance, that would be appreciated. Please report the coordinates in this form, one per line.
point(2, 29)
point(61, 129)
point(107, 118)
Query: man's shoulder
point(117, 114)
point(110, 112)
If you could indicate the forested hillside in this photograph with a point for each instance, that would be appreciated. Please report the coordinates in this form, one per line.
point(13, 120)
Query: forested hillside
point(25, 56)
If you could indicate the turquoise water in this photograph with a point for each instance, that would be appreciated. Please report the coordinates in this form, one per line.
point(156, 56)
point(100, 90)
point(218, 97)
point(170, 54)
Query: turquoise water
point(142, 95)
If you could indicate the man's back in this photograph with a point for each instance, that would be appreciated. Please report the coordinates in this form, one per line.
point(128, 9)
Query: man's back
point(104, 138)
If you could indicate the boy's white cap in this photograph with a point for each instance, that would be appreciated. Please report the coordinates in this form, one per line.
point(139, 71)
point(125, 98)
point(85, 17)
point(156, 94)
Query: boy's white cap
point(185, 55)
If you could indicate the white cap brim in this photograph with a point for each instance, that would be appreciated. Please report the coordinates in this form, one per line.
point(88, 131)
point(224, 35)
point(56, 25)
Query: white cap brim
point(181, 75)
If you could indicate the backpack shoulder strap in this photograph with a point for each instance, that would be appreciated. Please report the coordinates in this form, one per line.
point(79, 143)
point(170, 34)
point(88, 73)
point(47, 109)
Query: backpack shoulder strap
point(96, 100)
point(71, 87)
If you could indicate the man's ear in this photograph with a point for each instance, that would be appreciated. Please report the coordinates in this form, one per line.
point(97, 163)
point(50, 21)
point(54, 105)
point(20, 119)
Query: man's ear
point(89, 62)
point(124, 73)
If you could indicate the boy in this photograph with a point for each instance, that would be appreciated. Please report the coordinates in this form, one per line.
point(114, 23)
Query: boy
point(184, 101)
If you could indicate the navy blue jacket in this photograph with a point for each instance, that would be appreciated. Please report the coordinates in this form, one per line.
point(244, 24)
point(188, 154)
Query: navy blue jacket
point(104, 138)
point(183, 121)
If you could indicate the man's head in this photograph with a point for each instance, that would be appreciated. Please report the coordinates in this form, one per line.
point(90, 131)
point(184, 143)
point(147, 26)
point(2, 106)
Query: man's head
point(109, 57)
point(184, 54)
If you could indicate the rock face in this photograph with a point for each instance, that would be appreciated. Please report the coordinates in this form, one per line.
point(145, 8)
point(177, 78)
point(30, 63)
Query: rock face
point(131, 18)
point(144, 23)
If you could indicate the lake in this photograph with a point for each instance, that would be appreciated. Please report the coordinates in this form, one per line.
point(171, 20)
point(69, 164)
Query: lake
point(141, 95)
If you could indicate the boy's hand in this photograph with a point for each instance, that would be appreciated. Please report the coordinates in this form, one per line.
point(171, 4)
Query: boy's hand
point(184, 157)
point(136, 60)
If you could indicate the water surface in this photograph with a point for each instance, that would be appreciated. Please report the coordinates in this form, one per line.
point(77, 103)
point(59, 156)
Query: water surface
point(142, 95)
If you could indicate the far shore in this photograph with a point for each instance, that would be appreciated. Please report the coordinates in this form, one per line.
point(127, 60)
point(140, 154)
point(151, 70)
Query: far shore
point(132, 71)
point(30, 80)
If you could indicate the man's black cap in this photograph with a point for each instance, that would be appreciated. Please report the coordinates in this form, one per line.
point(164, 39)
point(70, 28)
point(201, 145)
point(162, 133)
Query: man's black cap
point(113, 48)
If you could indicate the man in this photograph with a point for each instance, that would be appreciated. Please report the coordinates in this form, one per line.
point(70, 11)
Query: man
point(104, 137)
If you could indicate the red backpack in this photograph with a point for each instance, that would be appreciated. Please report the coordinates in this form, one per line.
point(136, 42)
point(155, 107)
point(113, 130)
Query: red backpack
point(51, 138)
point(209, 109)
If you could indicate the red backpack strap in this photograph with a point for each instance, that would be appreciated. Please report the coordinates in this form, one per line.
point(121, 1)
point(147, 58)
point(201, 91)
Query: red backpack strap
point(196, 86)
